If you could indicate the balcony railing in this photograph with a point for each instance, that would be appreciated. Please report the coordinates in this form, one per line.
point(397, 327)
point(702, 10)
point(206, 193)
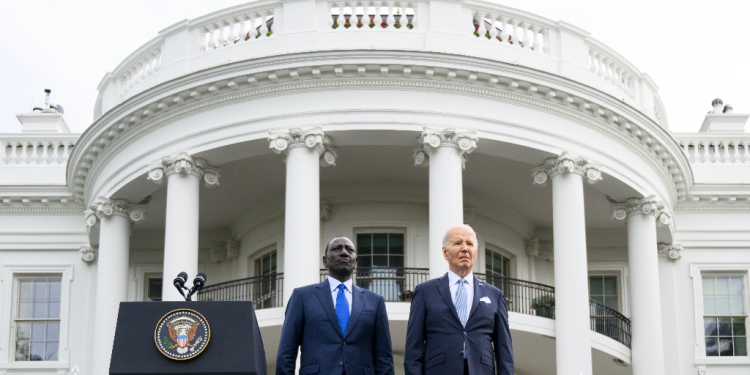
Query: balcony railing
point(394, 284)
point(609, 323)
point(524, 297)
point(265, 291)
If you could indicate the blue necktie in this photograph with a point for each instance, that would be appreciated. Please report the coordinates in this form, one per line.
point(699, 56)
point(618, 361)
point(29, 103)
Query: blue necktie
point(342, 308)
point(461, 306)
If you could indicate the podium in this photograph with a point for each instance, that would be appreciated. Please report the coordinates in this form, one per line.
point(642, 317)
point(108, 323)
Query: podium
point(234, 347)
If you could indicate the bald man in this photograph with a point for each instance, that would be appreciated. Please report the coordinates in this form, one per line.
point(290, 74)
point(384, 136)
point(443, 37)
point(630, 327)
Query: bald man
point(339, 327)
point(458, 324)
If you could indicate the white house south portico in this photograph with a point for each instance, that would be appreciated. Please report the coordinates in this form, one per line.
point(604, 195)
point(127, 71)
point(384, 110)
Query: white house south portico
point(239, 143)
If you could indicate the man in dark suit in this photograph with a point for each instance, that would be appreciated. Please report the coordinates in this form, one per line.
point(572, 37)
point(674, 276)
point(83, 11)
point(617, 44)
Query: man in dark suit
point(458, 324)
point(341, 328)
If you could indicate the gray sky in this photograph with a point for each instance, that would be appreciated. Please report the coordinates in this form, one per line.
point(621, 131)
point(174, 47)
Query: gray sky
point(693, 49)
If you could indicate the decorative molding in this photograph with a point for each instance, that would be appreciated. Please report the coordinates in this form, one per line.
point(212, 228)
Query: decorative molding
point(465, 141)
point(88, 253)
point(218, 253)
point(540, 249)
point(314, 138)
point(107, 207)
point(325, 210)
point(233, 249)
point(673, 251)
point(643, 206)
point(566, 163)
point(702, 370)
point(182, 162)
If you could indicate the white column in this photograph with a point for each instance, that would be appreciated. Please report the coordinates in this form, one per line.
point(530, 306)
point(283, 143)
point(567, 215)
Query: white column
point(572, 318)
point(184, 174)
point(115, 217)
point(305, 152)
point(445, 152)
point(647, 340)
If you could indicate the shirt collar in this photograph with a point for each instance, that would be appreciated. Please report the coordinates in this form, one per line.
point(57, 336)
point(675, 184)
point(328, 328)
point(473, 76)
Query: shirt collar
point(335, 284)
point(453, 278)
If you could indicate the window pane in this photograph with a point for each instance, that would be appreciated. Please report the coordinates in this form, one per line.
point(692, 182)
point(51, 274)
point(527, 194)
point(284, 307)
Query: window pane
point(51, 352)
point(738, 305)
point(722, 285)
point(726, 347)
point(725, 327)
point(611, 302)
point(723, 305)
point(596, 287)
point(363, 244)
point(22, 350)
point(610, 286)
point(36, 351)
point(740, 346)
point(53, 331)
point(709, 305)
point(37, 331)
point(710, 326)
point(40, 288)
point(53, 309)
point(709, 288)
point(712, 346)
point(380, 261)
point(396, 261)
point(735, 285)
point(26, 291)
point(266, 265)
point(54, 289)
point(738, 326)
point(23, 331)
point(365, 261)
point(273, 261)
point(380, 243)
point(24, 310)
point(154, 289)
point(599, 299)
point(39, 309)
point(396, 243)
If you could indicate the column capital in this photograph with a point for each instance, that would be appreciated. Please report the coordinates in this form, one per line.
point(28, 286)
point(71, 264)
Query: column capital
point(465, 141)
point(88, 253)
point(673, 251)
point(643, 206)
point(566, 163)
point(541, 249)
point(102, 207)
point(282, 141)
point(182, 162)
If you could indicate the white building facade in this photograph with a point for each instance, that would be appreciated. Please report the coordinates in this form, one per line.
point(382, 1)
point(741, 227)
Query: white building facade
point(239, 143)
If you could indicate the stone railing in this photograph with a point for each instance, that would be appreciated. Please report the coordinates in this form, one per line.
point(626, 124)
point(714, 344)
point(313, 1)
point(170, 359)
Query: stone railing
point(23, 149)
point(715, 148)
point(475, 28)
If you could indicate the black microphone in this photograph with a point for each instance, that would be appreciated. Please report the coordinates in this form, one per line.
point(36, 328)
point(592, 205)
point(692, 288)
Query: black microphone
point(198, 283)
point(179, 282)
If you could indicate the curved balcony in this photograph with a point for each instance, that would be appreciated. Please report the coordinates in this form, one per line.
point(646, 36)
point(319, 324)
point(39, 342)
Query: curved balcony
point(395, 285)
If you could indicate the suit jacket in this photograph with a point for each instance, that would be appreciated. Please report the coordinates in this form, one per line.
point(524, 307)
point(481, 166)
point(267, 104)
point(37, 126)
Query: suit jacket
point(311, 323)
point(435, 337)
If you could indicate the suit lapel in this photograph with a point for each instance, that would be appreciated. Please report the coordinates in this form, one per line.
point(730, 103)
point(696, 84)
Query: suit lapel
point(478, 292)
point(326, 300)
point(358, 303)
point(444, 288)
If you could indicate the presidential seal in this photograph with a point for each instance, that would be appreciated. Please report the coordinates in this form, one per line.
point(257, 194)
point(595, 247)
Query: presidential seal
point(182, 334)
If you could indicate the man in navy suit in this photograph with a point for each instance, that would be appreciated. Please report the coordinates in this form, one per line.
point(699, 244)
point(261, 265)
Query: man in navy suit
point(458, 324)
point(341, 328)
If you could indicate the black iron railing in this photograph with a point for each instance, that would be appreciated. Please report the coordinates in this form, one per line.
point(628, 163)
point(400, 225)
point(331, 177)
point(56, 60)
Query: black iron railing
point(264, 291)
point(394, 283)
point(610, 323)
point(524, 297)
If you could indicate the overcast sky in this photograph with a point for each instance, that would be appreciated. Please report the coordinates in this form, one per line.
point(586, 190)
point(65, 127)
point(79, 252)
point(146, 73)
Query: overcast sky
point(693, 49)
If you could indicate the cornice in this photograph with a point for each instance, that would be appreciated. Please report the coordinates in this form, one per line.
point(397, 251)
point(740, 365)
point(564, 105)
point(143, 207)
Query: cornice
point(499, 81)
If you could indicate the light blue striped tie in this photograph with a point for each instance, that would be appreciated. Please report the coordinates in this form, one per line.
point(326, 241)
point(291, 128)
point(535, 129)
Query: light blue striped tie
point(461, 309)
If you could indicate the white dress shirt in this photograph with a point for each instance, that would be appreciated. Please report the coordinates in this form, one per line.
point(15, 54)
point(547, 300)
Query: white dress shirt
point(469, 286)
point(347, 293)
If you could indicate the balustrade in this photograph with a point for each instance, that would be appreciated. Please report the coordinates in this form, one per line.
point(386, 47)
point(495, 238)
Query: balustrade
point(245, 27)
point(144, 67)
point(393, 15)
point(265, 291)
point(42, 151)
point(612, 71)
point(510, 30)
point(715, 149)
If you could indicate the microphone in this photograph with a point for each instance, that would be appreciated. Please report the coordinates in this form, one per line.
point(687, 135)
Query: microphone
point(198, 283)
point(179, 282)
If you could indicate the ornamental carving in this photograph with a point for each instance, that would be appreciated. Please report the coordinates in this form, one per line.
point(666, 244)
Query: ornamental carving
point(701, 370)
point(88, 254)
point(643, 206)
point(325, 210)
point(469, 215)
point(182, 162)
point(566, 163)
point(218, 254)
point(673, 251)
point(540, 249)
point(233, 249)
point(464, 141)
point(281, 142)
point(107, 207)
